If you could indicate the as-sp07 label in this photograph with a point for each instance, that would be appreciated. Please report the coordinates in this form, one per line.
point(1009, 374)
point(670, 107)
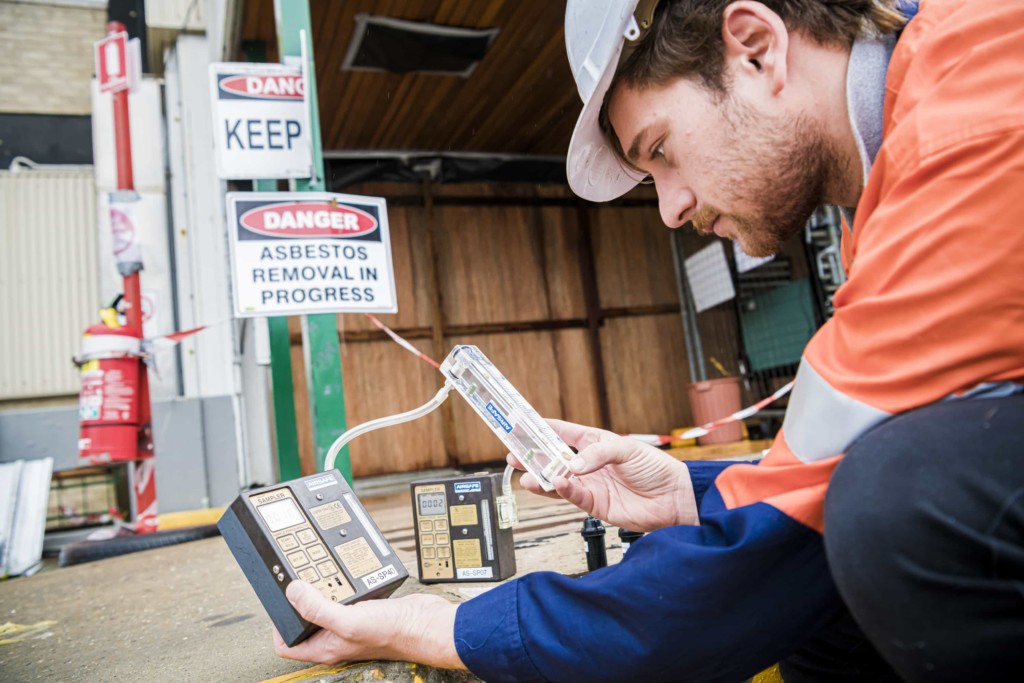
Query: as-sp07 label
point(467, 486)
point(475, 572)
point(501, 419)
point(321, 482)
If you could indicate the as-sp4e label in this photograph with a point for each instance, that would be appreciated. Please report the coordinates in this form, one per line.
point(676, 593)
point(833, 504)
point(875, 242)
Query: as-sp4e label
point(467, 486)
point(497, 415)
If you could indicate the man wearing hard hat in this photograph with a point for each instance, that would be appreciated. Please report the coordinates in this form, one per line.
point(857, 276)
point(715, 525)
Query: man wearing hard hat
point(882, 536)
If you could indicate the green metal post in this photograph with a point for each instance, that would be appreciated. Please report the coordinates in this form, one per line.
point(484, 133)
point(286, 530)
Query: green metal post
point(319, 332)
point(286, 436)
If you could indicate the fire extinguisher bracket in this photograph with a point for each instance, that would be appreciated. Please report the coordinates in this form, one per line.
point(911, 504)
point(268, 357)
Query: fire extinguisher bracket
point(96, 347)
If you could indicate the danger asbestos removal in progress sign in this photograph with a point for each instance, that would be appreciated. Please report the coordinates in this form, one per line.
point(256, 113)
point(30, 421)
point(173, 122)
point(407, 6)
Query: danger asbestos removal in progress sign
point(260, 121)
point(295, 253)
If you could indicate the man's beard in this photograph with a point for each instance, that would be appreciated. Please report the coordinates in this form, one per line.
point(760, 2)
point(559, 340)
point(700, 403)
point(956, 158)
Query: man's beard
point(783, 167)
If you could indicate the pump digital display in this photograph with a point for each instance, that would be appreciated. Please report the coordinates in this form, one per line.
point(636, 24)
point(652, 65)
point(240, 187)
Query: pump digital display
point(431, 503)
point(281, 514)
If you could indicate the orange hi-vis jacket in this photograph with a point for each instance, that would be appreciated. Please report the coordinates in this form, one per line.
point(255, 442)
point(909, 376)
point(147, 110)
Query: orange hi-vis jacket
point(933, 309)
point(934, 303)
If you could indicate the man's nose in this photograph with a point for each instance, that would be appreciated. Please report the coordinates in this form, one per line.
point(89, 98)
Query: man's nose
point(675, 203)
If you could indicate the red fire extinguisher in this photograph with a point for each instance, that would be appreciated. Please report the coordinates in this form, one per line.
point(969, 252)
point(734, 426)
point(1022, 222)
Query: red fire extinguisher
point(109, 405)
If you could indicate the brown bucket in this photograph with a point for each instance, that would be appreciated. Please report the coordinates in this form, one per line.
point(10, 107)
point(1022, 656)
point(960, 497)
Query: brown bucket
point(712, 400)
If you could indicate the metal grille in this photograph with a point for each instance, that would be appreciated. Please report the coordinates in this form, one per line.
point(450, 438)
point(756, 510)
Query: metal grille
point(49, 290)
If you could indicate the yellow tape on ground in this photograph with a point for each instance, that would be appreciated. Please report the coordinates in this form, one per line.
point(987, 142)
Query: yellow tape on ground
point(11, 633)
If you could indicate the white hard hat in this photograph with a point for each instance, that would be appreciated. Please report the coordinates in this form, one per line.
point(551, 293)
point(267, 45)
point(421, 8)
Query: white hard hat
point(595, 32)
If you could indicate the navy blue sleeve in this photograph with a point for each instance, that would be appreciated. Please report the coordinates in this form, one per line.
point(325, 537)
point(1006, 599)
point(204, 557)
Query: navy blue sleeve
point(715, 602)
point(703, 474)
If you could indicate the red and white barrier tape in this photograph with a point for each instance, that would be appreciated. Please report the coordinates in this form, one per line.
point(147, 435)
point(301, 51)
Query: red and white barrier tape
point(170, 340)
point(405, 344)
point(174, 338)
point(652, 439)
point(703, 430)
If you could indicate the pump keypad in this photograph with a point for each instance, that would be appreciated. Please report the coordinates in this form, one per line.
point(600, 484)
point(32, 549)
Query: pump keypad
point(435, 548)
point(301, 545)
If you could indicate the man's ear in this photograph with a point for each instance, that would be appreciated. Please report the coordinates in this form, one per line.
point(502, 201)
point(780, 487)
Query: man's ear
point(756, 42)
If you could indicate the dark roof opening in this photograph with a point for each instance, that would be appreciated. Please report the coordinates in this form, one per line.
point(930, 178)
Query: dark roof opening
point(399, 46)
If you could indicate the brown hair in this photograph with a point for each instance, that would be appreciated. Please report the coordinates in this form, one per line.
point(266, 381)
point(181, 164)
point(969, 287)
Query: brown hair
point(686, 35)
point(685, 39)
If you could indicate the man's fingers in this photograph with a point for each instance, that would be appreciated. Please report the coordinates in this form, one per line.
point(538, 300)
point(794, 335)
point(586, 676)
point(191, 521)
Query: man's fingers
point(572, 491)
point(530, 483)
point(578, 436)
point(596, 456)
point(514, 461)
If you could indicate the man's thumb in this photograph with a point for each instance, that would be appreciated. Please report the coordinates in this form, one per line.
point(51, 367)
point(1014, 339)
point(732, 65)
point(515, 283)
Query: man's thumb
point(308, 602)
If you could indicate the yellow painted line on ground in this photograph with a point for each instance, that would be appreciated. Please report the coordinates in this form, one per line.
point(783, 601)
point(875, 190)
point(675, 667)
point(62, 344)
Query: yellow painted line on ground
point(312, 672)
point(187, 518)
point(323, 670)
point(772, 675)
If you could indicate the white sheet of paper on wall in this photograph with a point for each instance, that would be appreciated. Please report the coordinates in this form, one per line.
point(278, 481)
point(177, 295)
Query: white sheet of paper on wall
point(708, 274)
point(744, 262)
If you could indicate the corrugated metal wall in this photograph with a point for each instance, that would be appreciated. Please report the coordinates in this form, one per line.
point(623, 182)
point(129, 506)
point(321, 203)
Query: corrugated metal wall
point(48, 278)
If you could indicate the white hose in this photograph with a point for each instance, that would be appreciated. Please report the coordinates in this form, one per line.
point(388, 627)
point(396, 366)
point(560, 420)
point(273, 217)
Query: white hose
point(506, 481)
point(370, 426)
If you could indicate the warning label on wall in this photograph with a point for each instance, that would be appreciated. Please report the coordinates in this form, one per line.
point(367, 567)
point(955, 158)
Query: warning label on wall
point(295, 253)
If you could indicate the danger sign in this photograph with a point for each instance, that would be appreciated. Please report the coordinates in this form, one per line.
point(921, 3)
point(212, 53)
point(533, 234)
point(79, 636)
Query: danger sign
point(295, 253)
point(260, 121)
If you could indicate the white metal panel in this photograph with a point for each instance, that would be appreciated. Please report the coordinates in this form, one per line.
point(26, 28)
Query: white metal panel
point(200, 232)
point(49, 287)
point(219, 360)
point(180, 15)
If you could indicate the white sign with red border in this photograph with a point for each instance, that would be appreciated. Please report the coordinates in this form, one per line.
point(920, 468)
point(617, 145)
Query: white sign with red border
point(118, 62)
point(295, 253)
point(260, 121)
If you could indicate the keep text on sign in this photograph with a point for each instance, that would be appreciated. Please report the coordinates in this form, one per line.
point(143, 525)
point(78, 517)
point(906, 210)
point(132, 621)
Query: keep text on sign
point(296, 253)
point(260, 121)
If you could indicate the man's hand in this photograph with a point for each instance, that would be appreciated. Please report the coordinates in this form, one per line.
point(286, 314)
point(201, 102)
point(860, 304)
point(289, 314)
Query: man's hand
point(621, 481)
point(418, 628)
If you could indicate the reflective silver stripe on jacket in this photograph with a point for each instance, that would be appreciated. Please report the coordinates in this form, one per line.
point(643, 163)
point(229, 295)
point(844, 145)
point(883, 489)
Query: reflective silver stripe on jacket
point(821, 421)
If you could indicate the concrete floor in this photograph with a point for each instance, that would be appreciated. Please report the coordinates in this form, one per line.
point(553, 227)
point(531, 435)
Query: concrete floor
point(186, 612)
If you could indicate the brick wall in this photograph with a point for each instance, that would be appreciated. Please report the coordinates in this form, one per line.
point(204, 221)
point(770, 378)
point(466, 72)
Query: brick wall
point(46, 57)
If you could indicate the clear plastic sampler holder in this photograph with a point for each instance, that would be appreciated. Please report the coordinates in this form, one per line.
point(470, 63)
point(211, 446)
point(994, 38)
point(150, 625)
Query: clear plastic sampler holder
point(514, 421)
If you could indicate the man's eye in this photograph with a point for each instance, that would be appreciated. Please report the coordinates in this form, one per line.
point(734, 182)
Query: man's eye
point(658, 152)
